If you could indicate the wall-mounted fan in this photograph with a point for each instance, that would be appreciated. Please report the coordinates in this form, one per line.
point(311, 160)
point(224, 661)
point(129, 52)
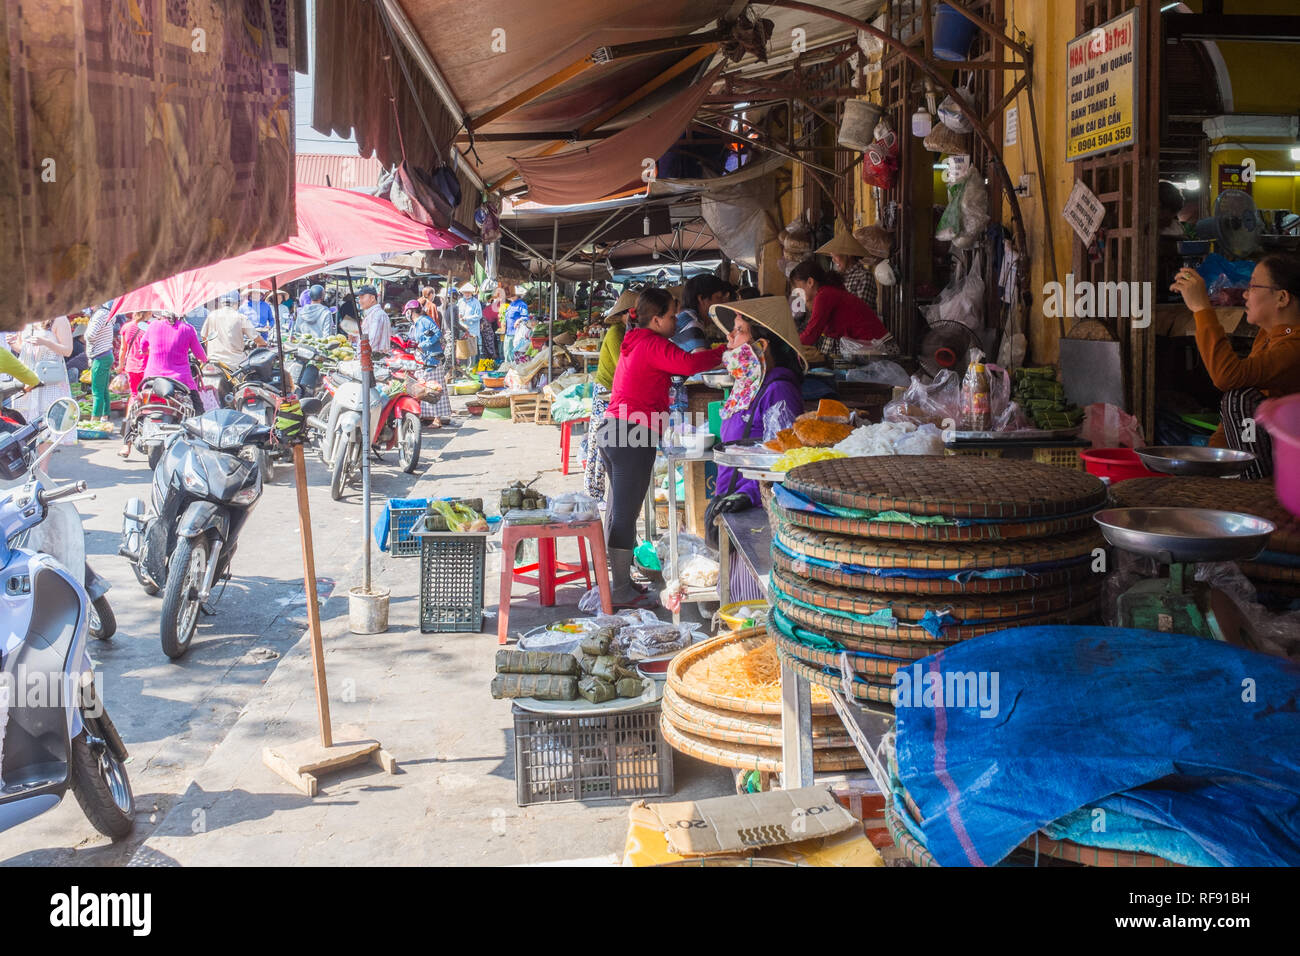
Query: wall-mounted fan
point(947, 345)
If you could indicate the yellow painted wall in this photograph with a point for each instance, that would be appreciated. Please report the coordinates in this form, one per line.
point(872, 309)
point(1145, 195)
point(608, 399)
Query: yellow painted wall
point(1270, 192)
point(1264, 75)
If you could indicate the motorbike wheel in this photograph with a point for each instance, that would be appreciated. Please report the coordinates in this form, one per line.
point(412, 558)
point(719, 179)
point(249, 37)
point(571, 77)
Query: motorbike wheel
point(101, 786)
point(408, 442)
point(180, 610)
point(339, 468)
point(103, 622)
point(155, 456)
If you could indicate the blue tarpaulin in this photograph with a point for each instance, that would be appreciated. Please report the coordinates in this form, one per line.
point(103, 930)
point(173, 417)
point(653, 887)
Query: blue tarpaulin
point(1197, 738)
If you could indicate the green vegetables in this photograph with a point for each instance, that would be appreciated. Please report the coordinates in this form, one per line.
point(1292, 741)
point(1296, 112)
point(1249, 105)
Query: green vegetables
point(454, 516)
point(1042, 398)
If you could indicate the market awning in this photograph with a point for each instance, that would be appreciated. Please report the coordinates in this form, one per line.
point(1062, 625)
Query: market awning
point(131, 155)
point(332, 225)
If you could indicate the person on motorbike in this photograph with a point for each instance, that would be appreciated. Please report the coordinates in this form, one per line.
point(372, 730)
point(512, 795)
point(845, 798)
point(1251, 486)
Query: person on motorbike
point(168, 345)
point(427, 331)
point(226, 332)
point(315, 318)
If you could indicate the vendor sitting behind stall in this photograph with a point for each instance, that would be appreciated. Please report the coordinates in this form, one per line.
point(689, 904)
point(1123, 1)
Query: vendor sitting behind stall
point(835, 313)
point(767, 369)
point(1273, 367)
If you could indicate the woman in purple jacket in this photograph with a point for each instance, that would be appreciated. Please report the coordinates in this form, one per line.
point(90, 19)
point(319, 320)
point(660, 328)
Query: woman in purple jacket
point(773, 396)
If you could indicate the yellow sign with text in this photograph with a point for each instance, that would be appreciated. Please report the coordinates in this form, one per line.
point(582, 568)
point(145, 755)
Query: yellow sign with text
point(1101, 88)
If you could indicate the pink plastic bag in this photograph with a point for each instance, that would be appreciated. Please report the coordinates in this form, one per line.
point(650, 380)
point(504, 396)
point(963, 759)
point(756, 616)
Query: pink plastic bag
point(1109, 426)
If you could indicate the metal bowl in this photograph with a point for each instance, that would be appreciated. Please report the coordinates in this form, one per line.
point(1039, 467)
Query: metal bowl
point(1194, 460)
point(1175, 535)
point(717, 379)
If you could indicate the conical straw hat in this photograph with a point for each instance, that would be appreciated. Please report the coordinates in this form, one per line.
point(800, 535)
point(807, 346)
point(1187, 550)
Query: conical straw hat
point(843, 245)
point(625, 301)
point(771, 311)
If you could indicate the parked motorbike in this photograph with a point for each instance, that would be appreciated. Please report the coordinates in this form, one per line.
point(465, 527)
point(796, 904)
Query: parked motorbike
point(394, 420)
point(156, 414)
point(182, 542)
point(56, 733)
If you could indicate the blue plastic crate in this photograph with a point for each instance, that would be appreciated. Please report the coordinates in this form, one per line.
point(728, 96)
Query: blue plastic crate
point(404, 516)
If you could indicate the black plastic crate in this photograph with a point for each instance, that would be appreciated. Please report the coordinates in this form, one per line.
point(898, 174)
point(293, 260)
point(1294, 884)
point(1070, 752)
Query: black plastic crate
point(451, 580)
point(601, 757)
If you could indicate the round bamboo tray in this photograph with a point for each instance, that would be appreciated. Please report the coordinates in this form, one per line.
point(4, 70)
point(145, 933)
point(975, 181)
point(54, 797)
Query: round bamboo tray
point(712, 723)
point(955, 487)
point(898, 531)
point(912, 850)
point(833, 627)
point(494, 401)
point(870, 693)
point(872, 669)
point(764, 759)
point(914, 609)
point(679, 677)
point(951, 556)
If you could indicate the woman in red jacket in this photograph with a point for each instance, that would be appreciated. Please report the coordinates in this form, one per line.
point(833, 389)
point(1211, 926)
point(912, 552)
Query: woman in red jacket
point(836, 313)
point(629, 434)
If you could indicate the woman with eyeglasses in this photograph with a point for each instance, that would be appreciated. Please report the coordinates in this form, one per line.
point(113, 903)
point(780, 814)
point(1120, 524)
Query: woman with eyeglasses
point(1273, 367)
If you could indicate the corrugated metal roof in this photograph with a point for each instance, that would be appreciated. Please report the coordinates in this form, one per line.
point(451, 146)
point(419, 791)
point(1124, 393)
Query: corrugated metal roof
point(339, 171)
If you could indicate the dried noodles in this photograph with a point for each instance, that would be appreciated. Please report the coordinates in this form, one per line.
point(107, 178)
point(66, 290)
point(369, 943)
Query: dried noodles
point(745, 669)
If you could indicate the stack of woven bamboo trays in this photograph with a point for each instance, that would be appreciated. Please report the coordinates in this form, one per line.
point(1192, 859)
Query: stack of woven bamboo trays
point(923, 552)
point(732, 727)
point(1277, 570)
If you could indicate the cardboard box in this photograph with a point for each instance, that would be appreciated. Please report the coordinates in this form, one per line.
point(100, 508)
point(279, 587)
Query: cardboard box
point(742, 823)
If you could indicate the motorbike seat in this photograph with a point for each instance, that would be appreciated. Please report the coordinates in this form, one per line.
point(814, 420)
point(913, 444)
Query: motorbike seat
point(165, 387)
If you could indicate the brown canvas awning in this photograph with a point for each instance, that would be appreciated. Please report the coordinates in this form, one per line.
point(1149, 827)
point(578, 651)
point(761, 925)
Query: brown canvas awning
point(134, 155)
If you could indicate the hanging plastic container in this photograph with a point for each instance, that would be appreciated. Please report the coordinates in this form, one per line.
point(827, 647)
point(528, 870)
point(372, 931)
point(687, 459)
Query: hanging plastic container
point(857, 129)
point(953, 33)
point(1281, 416)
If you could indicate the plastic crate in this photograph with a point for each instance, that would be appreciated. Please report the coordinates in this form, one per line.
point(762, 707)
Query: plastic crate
point(1061, 457)
point(451, 581)
point(601, 757)
point(405, 515)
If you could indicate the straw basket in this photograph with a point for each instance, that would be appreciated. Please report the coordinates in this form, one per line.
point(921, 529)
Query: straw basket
point(856, 129)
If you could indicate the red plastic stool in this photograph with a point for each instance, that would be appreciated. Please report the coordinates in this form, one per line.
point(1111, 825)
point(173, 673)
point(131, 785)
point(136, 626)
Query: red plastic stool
point(592, 533)
point(566, 438)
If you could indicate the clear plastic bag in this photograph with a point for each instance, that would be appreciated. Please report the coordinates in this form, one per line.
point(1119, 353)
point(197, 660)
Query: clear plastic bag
point(573, 506)
point(687, 545)
point(881, 372)
point(974, 211)
point(777, 418)
point(962, 300)
point(950, 222)
point(938, 403)
point(1263, 631)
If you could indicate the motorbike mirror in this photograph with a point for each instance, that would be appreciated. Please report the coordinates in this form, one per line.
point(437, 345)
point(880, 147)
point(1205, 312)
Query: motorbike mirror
point(349, 326)
point(62, 416)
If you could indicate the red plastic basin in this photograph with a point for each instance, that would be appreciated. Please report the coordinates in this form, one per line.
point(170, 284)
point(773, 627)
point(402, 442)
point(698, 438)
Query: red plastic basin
point(1117, 464)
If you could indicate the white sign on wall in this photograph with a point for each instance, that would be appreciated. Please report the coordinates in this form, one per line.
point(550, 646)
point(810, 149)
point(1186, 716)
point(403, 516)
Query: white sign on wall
point(1012, 134)
point(1084, 211)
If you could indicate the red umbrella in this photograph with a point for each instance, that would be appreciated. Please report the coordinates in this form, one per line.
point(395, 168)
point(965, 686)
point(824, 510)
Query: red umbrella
point(333, 225)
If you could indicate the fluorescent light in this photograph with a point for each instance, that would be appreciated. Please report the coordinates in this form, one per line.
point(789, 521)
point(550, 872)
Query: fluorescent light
point(1295, 154)
point(1191, 186)
point(1169, 6)
point(1277, 172)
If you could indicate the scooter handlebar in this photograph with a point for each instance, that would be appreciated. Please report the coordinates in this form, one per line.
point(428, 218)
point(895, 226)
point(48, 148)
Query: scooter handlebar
point(64, 491)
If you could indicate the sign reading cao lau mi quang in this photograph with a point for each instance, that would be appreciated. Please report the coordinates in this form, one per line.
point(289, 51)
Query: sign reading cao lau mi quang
point(1101, 84)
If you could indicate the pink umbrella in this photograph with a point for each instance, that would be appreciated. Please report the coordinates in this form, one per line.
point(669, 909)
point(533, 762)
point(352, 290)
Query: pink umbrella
point(333, 225)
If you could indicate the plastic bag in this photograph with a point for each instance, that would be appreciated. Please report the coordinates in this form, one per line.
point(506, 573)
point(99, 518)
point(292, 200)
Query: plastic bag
point(777, 418)
point(962, 300)
point(950, 222)
point(881, 372)
point(1268, 633)
point(698, 571)
point(951, 115)
point(1109, 426)
point(1011, 419)
point(573, 506)
point(926, 440)
point(687, 545)
point(935, 404)
point(974, 211)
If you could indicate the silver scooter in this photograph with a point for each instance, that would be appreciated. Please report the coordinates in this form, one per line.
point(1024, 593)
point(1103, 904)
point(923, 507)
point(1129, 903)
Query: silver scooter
point(55, 734)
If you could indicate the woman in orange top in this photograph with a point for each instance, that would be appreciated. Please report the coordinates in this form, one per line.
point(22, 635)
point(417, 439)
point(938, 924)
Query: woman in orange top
point(1273, 366)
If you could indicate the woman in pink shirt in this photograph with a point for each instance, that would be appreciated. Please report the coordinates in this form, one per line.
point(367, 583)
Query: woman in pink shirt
point(168, 345)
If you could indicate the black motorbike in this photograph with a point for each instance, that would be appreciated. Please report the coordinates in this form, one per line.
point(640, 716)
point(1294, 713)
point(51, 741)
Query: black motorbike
point(204, 489)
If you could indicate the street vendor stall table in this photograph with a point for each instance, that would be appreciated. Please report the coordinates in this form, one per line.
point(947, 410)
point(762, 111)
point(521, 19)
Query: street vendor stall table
point(749, 535)
point(691, 459)
point(590, 359)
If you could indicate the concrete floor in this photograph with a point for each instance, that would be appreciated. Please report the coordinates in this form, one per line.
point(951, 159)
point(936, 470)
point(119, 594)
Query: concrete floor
point(196, 727)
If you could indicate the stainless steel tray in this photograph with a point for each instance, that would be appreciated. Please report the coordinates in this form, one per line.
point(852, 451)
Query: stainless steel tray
point(1023, 434)
point(745, 455)
point(1194, 460)
point(1185, 534)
